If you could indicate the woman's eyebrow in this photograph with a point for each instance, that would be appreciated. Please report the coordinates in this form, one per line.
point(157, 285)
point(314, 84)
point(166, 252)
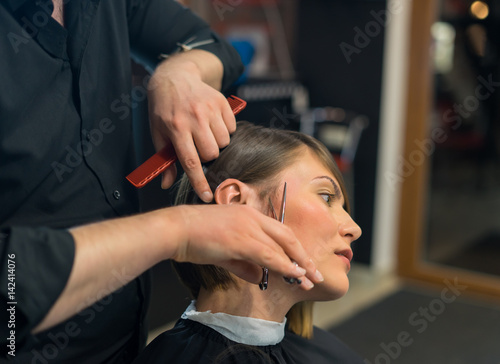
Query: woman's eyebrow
point(336, 188)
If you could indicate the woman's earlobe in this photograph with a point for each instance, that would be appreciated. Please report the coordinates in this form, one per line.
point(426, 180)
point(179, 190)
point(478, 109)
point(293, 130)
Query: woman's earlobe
point(230, 191)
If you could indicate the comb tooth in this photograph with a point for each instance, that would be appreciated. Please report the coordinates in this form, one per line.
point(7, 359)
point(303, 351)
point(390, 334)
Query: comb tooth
point(236, 104)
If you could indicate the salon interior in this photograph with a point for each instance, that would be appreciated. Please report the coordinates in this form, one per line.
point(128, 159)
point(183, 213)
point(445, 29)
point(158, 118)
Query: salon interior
point(405, 94)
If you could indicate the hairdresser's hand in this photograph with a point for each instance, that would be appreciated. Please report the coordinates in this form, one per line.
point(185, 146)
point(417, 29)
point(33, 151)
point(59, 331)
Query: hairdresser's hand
point(186, 110)
point(242, 240)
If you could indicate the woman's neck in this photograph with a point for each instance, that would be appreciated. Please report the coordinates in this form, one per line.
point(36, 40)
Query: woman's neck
point(247, 300)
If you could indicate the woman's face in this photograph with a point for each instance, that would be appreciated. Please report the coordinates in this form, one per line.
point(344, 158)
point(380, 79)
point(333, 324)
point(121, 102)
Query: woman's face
point(314, 211)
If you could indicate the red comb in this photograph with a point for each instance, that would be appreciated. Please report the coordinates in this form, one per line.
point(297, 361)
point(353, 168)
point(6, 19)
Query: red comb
point(164, 158)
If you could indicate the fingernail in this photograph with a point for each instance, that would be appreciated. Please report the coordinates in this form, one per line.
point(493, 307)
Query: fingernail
point(300, 271)
point(307, 283)
point(206, 196)
point(318, 276)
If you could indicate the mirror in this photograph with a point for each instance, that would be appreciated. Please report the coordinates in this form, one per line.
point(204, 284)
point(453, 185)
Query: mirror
point(463, 143)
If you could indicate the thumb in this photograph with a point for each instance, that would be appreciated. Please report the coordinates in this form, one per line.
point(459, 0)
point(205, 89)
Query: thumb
point(168, 177)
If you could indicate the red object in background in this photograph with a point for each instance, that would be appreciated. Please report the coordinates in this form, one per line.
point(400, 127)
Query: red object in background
point(343, 165)
point(164, 158)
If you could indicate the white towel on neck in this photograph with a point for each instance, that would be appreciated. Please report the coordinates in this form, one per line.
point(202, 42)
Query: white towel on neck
point(243, 330)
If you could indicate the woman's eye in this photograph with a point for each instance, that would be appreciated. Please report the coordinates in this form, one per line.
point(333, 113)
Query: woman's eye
point(328, 197)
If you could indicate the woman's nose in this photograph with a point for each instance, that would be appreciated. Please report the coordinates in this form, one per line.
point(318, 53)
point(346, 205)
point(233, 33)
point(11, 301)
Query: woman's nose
point(349, 229)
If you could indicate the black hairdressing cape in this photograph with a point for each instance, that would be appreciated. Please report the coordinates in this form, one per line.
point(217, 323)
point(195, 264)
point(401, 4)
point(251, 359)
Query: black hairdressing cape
point(192, 342)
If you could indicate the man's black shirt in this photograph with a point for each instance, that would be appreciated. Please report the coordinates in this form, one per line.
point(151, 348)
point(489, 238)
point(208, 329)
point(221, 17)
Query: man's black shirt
point(66, 103)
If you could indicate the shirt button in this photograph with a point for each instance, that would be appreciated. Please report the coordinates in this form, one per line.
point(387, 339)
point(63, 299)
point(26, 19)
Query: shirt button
point(116, 194)
point(88, 136)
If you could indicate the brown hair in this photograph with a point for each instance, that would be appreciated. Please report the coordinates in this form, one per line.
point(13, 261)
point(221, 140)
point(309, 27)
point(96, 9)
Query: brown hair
point(256, 155)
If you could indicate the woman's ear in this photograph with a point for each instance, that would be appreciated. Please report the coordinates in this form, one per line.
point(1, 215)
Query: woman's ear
point(232, 191)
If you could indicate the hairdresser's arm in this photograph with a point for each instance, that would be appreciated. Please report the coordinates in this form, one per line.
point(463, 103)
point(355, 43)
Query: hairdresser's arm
point(111, 253)
point(187, 110)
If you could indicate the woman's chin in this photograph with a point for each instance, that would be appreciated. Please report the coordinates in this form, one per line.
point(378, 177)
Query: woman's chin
point(329, 291)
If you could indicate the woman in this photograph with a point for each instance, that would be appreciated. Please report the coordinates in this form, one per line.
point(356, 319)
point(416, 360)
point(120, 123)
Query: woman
point(232, 320)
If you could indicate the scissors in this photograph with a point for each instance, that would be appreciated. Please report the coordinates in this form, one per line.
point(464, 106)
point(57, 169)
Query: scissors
point(265, 271)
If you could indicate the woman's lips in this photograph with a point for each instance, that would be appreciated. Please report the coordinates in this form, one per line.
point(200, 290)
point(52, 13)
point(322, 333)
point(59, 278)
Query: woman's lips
point(346, 256)
point(346, 253)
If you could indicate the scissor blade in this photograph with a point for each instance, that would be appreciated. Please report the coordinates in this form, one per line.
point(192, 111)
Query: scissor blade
point(283, 203)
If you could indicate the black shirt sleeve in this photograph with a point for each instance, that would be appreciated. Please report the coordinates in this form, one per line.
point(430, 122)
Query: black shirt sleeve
point(157, 26)
point(35, 264)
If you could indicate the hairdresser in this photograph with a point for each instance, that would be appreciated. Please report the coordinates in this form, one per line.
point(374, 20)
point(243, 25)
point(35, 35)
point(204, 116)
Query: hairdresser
point(73, 248)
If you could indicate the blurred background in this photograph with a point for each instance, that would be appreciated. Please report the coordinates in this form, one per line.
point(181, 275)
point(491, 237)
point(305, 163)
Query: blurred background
point(405, 95)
